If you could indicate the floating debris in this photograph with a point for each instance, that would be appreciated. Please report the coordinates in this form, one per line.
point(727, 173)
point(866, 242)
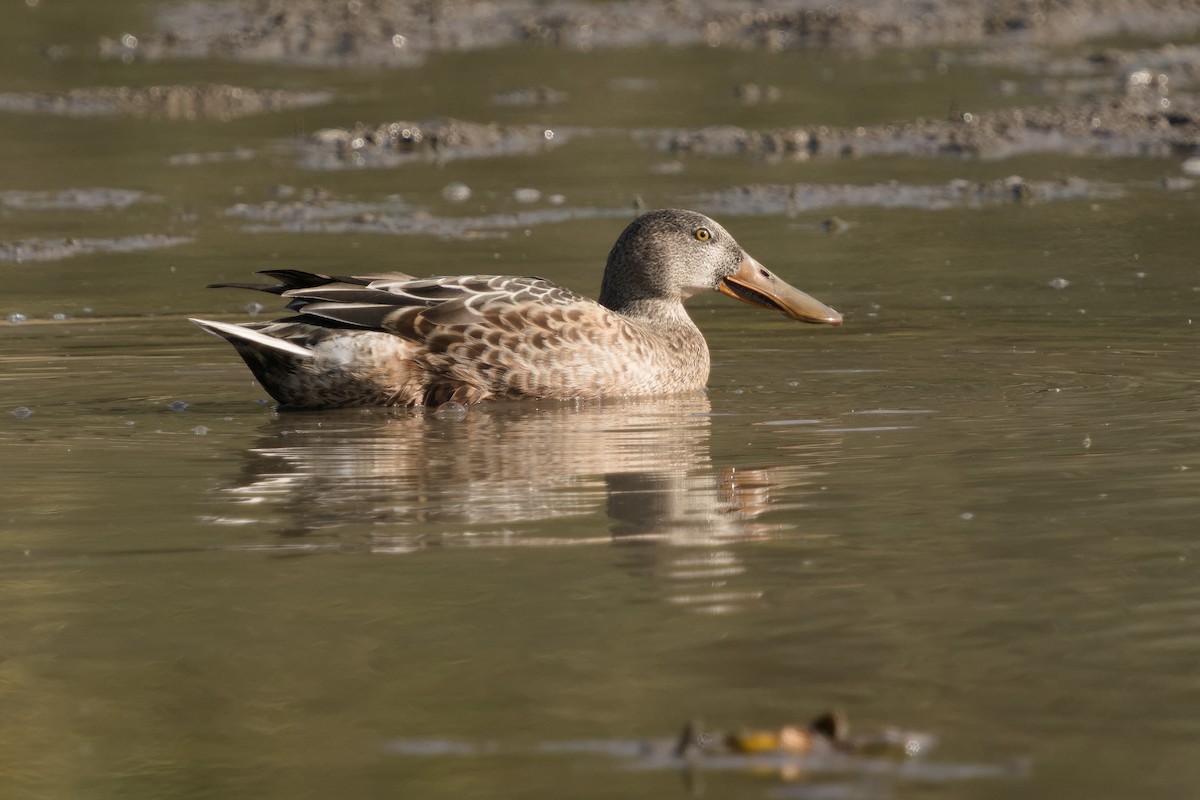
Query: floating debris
point(820, 751)
point(827, 733)
point(205, 101)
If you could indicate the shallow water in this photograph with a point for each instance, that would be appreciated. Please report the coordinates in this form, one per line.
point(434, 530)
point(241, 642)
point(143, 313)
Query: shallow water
point(969, 512)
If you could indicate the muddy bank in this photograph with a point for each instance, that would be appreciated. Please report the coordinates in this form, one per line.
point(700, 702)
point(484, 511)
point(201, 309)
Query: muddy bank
point(1145, 124)
point(58, 249)
point(404, 32)
point(395, 143)
point(205, 101)
point(804, 197)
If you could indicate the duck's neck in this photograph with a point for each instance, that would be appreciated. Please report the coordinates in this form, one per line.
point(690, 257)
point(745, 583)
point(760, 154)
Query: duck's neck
point(671, 354)
point(657, 312)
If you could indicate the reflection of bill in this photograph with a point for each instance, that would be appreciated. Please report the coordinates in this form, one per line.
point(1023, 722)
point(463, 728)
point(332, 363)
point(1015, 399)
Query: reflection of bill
point(519, 474)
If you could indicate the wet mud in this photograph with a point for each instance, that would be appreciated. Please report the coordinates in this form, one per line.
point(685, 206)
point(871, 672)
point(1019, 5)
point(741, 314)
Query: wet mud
point(404, 32)
point(394, 143)
point(534, 97)
point(1145, 125)
point(1107, 103)
point(204, 101)
point(395, 219)
point(319, 211)
point(30, 250)
point(802, 197)
point(219, 157)
point(72, 199)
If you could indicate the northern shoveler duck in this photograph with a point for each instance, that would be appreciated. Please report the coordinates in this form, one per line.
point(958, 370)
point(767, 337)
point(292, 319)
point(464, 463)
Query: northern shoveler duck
point(394, 340)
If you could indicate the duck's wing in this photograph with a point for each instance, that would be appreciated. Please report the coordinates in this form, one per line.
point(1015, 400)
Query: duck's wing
point(499, 335)
point(417, 308)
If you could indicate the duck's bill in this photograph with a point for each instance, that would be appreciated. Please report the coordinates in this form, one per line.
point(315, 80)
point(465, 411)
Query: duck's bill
point(755, 284)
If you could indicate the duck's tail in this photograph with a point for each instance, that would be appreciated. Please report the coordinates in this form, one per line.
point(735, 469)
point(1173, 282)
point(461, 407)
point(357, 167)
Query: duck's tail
point(275, 362)
point(243, 337)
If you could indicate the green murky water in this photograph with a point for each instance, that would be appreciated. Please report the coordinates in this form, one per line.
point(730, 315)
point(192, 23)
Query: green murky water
point(971, 511)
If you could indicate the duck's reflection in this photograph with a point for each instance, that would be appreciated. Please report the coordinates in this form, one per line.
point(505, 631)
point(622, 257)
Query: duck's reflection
point(520, 474)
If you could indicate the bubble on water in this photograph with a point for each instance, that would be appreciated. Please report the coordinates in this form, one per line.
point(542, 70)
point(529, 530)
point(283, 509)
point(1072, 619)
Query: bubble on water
point(200, 430)
point(16, 319)
point(22, 412)
point(556, 199)
point(456, 192)
point(527, 195)
point(966, 516)
point(1059, 283)
point(451, 410)
point(253, 308)
point(178, 405)
point(58, 316)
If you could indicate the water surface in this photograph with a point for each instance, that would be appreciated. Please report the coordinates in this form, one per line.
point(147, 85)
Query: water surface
point(970, 511)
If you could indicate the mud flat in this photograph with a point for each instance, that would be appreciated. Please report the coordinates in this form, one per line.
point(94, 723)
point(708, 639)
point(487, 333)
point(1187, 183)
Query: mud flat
point(404, 32)
point(1146, 125)
point(205, 101)
point(803, 197)
point(395, 143)
point(315, 205)
point(58, 249)
point(316, 211)
point(72, 199)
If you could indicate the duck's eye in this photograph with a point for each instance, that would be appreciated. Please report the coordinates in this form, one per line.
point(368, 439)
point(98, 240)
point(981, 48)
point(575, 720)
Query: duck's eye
point(703, 234)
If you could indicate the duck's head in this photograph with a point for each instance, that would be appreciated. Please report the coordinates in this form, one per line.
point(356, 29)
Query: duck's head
point(668, 255)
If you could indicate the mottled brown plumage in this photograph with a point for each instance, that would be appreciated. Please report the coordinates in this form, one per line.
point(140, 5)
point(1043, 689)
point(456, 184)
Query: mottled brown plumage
point(393, 339)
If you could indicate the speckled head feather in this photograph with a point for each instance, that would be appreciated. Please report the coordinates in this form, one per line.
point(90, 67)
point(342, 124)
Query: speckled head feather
point(392, 339)
point(664, 257)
